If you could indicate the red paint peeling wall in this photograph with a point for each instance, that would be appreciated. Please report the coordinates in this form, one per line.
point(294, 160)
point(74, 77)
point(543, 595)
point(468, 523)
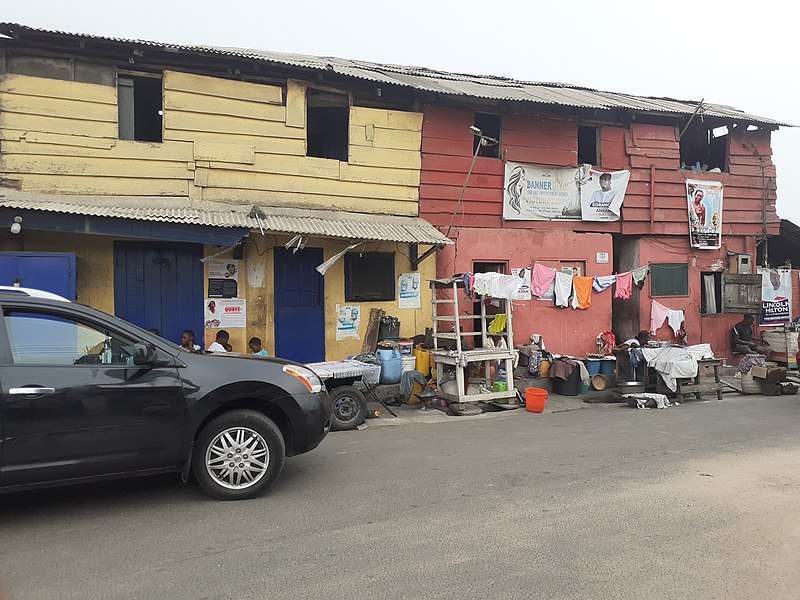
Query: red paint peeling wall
point(565, 330)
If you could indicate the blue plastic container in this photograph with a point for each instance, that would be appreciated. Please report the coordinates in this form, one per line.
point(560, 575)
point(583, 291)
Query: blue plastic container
point(391, 365)
point(607, 367)
point(593, 365)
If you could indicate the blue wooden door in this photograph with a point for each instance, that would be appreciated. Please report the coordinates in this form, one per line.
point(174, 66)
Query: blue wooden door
point(299, 305)
point(160, 286)
point(52, 272)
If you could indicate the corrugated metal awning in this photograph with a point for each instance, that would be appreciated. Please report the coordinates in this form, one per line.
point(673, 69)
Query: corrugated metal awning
point(317, 223)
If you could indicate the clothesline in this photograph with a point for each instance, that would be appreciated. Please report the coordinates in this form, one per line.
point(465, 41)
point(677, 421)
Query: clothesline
point(576, 291)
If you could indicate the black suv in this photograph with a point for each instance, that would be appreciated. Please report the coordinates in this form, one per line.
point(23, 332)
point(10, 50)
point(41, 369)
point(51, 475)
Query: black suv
point(87, 396)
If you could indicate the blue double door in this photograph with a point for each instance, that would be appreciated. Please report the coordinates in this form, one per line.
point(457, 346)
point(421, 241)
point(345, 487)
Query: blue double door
point(299, 305)
point(160, 285)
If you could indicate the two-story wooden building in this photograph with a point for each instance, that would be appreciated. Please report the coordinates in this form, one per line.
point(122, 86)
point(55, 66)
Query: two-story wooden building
point(200, 188)
point(142, 159)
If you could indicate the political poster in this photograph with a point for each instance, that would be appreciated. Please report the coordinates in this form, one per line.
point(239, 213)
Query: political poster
point(602, 194)
point(537, 193)
point(704, 200)
point(348, 318)
point(776, 296)
point(409, 294)
point(524, 292)
point(225, 313)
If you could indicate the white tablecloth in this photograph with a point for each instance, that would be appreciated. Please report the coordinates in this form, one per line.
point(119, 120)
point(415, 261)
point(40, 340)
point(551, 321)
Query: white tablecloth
point(673, 362)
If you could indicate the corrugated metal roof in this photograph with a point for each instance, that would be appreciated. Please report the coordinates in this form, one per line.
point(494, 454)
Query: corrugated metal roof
point(442, 82)
point(320, 223)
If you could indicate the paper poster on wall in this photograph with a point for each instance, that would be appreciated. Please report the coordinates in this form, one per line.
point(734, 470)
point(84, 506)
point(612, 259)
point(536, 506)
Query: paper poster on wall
point(524, 292)
point(704, 199)
point(223, 278)
point(408, 291)
point(536, 193)
point(225, 313)
point(348, 318)
point(602, 195)
point(776, 296)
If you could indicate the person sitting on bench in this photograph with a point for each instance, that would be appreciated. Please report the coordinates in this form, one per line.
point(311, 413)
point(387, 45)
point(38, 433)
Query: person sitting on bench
point(744, 342)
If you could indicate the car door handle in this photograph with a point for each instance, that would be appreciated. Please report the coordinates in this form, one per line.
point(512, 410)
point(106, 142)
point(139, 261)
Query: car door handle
point(31, 391)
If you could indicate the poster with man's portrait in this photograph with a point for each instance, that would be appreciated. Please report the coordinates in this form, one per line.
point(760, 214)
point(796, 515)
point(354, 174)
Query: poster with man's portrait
point(602, 195)
point(704, 200)
point(776, 296)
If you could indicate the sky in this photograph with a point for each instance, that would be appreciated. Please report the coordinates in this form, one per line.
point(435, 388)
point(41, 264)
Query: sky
point(726, 52)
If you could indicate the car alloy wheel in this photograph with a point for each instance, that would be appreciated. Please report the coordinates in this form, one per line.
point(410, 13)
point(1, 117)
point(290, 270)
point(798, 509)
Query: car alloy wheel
point(237, 458)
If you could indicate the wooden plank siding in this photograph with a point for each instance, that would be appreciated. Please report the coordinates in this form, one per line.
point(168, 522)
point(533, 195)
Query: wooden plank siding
point(537, 138)
point(551, 140)
point(223, 140)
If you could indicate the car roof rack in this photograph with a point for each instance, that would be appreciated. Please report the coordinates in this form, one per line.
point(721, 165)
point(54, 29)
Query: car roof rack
point(30, 293)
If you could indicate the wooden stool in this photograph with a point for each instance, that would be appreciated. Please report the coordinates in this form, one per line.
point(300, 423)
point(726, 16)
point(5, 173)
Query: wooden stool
point(692, 385)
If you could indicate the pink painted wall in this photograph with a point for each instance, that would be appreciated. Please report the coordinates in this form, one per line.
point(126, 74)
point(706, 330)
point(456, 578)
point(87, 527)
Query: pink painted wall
point(710, 329)
point(565, 330)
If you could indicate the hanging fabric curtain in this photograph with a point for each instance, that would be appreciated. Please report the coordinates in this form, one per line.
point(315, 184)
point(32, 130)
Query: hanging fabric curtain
point(711, 294)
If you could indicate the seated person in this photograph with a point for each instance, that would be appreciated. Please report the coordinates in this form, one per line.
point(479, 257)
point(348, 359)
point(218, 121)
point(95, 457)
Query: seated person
point(744, 342)
point(187, 341)
point(255, 347)
point(220, 343)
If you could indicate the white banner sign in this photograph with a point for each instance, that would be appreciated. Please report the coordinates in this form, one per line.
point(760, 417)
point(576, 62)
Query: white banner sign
point(776, 296)
point(704, 199)
point(225, 313)
point(348, 318)
point(524, 292)
point(409, 294)
point(602, 195)
point(536, 193)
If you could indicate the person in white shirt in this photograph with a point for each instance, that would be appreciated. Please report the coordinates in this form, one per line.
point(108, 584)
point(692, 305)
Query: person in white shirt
point(219, 344)
point(603, 197)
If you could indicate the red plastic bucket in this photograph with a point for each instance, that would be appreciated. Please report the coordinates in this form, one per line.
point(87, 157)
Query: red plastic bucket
point(535, 399)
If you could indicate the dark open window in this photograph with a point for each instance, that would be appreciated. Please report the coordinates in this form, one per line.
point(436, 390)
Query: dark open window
point(669, 279)
point(368, 276)
point(139, 102)
point(587, 146)
point(490, 126)
point(328, 125)
point(704, 146)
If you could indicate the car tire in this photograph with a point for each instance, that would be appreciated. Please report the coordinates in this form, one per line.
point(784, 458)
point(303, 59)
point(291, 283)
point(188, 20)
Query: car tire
point(238, 455)
point(349, 408)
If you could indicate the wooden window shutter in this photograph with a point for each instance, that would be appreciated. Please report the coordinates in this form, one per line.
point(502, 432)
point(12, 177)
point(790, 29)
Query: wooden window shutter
point(741, 293)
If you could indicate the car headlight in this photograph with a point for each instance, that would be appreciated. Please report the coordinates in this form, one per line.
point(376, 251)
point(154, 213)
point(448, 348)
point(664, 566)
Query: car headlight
point(306, 376)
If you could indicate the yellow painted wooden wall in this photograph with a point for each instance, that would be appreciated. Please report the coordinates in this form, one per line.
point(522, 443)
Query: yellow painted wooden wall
point(223, 140)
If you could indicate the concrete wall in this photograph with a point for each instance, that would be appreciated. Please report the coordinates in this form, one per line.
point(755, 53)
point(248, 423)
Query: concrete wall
point(711, 329)
point(565, 330)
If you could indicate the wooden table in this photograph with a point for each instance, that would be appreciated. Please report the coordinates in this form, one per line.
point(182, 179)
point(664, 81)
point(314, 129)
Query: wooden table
point(693, 385)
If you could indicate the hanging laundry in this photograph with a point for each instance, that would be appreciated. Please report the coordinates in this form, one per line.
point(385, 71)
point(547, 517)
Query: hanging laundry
point(624, 282)
point(640, 276)
point(497, 285)
point(602, 282)
point(582, 286)
point(541, 278)
point(498, 324)
point(658, 314)
point(675, 319)
point(467, 277)
point(563, 289)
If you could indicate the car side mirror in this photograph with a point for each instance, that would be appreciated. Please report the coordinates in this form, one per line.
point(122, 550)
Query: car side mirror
point(144, 355)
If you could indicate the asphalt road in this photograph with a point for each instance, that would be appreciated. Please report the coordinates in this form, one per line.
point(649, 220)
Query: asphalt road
point(696, 501)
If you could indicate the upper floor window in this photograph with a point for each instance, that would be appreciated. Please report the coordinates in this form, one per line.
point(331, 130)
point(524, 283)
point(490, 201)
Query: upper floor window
point(328, 124)
point(704, 147)
point(669, 279)
point(587, 146)
point(139, 101)
point(490, 126)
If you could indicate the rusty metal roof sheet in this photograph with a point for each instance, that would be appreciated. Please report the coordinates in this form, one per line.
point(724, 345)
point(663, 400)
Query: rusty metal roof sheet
point(319, 223)
point(454, 84)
